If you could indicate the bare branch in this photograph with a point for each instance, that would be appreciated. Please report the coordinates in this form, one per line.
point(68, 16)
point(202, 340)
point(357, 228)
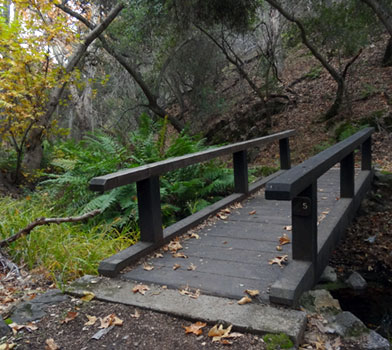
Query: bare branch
point(47, 221)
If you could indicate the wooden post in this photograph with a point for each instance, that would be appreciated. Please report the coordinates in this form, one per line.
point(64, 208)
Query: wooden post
point(304, 225)
point(366, 150)
point(284, 152)
point(149, 205)
point(240, 164)
point(347, 176)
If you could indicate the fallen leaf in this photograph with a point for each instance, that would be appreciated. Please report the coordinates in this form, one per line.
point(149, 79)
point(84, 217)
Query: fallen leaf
point(110, 320)
point(221, 216)
point(244, 300)
point(7, 346)
point(194, 235)
point(88, 296)
point(195, 328)
point(188, 292)
point(136, 314)
point(284, 239)
point(279, 248)
point(225, 342)
point(235, 335)
point(158, 255)
point(252, 292)
point(140, 288)
point(91, 320)
point(227, 211)
point(176, 266)
point(148, 267)
point(71, 315)
point(174, 246)
point(179, 255)
point(191, 267)
point(218, 332)
point(288, 228)
point(253, 212)
point(279, 260)
point(51, 345)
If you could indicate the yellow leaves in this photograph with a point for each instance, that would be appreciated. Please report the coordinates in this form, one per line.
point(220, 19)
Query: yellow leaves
point(244, 300)
point(252, 292)
point(140, 288)
point(91, 320)
point(175, 245)
point(180, 255)
point(195, 328)
point(87, 296)
point(220, 334)
point(188, 292)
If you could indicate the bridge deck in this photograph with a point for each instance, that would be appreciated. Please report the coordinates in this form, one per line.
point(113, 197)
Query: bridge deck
point(233, 253)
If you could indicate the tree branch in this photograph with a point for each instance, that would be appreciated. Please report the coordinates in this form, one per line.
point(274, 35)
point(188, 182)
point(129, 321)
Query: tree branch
point(47, 221)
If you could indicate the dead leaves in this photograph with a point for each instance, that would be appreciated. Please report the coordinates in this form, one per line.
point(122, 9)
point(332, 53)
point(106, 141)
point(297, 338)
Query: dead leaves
point(284, 239)
point(252, 292)
point(148, 267)
point(88, 296)
point(179, 255)
point(110, 320)
point(279, 260)
point(220, 334)
point(176, 266)
point(91, 320)
point(51, 345)
point(191, 267)
point(71, 315)
point(140, 288)
point(195, 328)
point(187, 291)
point(174, 245)
point(253, 212)
point(17, 327)
point(244, 300)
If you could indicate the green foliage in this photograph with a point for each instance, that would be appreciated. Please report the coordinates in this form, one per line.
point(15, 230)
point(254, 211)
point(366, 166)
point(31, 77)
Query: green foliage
point(182, 191)
point(368, 91)
point(314, 73)
point(277, 341)
point(346, 129)
point(65, 251)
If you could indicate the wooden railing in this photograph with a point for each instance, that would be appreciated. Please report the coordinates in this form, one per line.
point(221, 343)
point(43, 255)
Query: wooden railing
point(147, 178)
point(299, 185)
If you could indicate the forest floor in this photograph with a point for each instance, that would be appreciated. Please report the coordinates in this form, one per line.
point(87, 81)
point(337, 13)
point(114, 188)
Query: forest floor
point(366, 248)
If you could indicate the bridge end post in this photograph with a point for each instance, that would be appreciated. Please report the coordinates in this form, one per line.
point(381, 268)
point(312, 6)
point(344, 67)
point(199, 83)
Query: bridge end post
point(366, 150)
point(347, 176)
point(304, 226)
point(284, 153)
point(240, 165)
point(149, 205)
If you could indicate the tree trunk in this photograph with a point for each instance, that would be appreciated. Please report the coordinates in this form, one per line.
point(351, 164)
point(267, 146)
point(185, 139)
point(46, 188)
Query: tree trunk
point(387, 59)
point(34, 152)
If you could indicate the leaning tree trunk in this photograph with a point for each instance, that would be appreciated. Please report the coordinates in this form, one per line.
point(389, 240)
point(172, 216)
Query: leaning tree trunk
point(34, 152)
point(387, 59)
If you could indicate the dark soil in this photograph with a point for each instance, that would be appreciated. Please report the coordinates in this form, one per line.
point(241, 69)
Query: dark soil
point(151, 330)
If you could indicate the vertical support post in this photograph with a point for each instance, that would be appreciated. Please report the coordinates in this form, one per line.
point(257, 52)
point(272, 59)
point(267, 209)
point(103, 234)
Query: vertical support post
point(304, 226)
point(240, 165)
point(149, 205)
point(366, 150)
point(284, 153)
point(347, 176)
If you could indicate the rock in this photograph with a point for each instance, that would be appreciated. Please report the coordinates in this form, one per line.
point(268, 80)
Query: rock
point(320, 301)
point(34, 309)
point(329, 275)
point(4, 329)
point(356, 281)
point(347, 325)
point(374, 341)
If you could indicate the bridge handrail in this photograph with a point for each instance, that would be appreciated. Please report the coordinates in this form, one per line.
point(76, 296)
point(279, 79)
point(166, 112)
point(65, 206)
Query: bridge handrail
point(289, 184)
point(147, 178)
point(299, 184)
point(128, 176)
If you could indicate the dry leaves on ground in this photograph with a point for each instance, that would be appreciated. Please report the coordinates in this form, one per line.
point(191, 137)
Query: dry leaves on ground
point(280, 260)
point(252, 292)
point(220, 334)
point(91, 320)
point(148, 267)
point(195, 328)
point(174, 245)
point(253, 212)
point(110, 320)
point(179, 255)
point(87, 296)
point(284, 239)
point(136, 314)
point(140, 288)
point(244, 300)
point(288, 228)
point(176, 266)
point(51, 345)
point(71, 315)
point(187, 291)
point(191, 267)
point(17, 327)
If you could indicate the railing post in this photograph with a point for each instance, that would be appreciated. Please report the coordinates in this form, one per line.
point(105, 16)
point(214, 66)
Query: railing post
point(347, 176)
point(284, 153)
point(240, 165)
point(304, 225)
point(149, 205)
point(366, 150)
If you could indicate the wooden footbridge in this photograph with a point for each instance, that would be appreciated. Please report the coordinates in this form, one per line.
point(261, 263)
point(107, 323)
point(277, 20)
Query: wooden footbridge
point(311, 203)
